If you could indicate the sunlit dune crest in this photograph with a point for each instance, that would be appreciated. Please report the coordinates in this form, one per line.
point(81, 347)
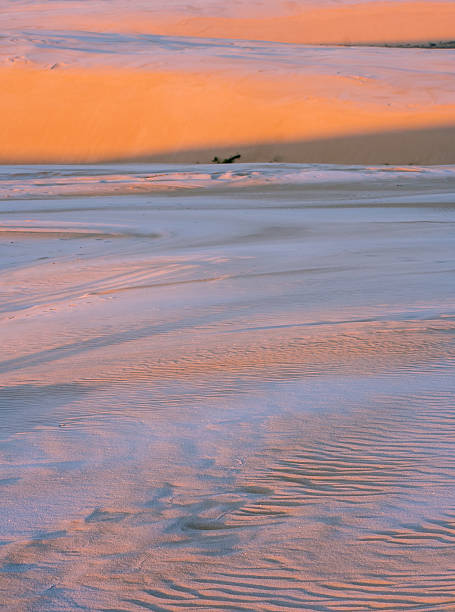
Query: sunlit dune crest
point(369, 22)
point(307, 22)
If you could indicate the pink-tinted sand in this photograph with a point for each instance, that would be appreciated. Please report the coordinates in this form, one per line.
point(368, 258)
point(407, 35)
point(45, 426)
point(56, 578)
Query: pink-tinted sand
point(227, 389)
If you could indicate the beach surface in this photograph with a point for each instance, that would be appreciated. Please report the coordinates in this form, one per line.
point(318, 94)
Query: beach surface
point(227, 387)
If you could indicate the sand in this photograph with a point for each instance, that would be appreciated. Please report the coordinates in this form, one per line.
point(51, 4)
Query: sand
point(91, 98)
point(227, 388)
point(94, 82)
point(301, 21)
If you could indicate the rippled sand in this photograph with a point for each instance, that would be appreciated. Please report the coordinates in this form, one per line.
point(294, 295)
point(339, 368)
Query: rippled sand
point(227, 390)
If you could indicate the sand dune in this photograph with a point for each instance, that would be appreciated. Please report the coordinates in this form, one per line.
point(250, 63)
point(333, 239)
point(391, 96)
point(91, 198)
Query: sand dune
point(88, 82)
point(368, 22)
point(305, 21)
point(86, 97)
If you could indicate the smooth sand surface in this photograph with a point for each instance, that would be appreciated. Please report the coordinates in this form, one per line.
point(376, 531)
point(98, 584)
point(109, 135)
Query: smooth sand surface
point(227, 388)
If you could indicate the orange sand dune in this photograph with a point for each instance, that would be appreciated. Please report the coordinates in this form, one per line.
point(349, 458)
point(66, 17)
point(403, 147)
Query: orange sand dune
point(351, 23)
point(300, 22)
point(98, 114)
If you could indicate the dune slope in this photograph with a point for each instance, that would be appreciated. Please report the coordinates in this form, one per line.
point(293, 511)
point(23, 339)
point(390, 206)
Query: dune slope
point(89, 97)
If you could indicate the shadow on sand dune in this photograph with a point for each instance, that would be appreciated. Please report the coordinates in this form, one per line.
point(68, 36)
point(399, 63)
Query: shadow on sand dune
point(434, 145)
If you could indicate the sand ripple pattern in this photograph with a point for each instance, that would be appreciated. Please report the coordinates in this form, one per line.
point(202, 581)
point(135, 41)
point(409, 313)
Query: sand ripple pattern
point(231, 399)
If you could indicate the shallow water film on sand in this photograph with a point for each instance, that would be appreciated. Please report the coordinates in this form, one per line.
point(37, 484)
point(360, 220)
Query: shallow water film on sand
point(227, 390)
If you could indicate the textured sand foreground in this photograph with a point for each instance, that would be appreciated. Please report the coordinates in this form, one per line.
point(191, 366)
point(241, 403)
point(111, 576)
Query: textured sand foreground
point(225, 389)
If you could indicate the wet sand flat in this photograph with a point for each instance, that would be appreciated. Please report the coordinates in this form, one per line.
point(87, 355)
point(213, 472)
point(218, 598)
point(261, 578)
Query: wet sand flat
point(227, 388)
